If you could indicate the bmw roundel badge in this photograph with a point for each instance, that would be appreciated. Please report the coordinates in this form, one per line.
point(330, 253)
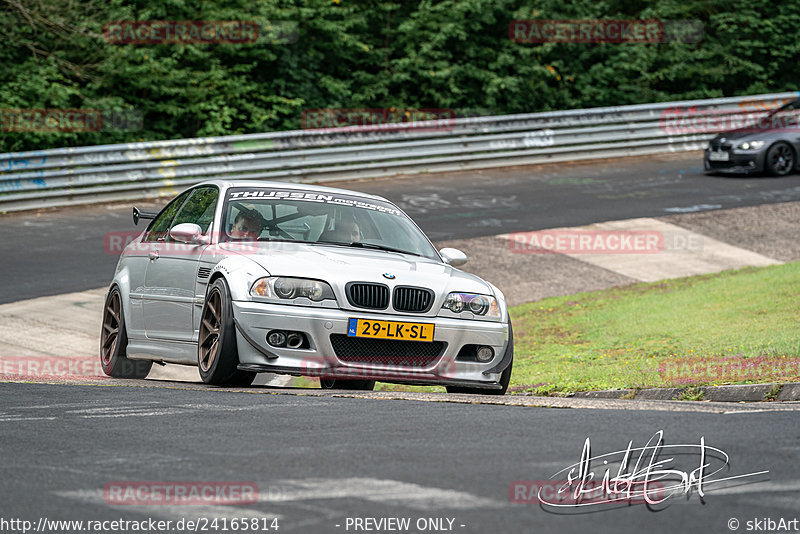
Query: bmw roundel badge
point(388, 276)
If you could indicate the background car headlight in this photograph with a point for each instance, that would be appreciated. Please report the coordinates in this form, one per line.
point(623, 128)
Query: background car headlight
point(751, 145)
point(484, 305)
point(283, 288)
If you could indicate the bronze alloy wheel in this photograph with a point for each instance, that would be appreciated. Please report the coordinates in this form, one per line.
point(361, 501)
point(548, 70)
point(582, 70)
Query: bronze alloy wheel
point(217, 353)
point(109, 338)
point(209, 330)
point(114, 342)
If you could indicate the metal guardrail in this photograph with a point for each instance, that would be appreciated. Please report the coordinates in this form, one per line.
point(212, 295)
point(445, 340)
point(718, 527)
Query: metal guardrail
point(64, 176)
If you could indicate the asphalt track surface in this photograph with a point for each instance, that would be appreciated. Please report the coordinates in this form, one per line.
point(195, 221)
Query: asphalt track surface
point(320, 460)
point(55, 252)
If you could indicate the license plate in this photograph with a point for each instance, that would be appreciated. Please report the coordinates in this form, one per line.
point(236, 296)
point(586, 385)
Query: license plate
point(390, 330)
point(718, 156)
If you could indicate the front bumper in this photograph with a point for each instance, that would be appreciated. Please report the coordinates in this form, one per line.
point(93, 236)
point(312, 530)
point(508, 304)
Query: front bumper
point(254, 320)
point(738, 162)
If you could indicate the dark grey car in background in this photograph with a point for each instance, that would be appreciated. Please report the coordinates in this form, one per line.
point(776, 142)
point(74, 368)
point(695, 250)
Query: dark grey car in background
point(770, 145)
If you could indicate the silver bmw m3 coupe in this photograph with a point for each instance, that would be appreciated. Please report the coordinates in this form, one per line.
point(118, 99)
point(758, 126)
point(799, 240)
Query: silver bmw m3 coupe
point(239, 278)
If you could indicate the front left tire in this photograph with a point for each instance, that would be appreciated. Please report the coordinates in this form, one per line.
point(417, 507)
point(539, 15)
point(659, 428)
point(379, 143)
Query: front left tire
point(114, 342)
point(217, 354)
point(779, 160)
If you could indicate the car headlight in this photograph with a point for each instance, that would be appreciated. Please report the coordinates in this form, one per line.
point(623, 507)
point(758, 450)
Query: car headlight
point(481, 305)
point(750, 145)
point(283, 288)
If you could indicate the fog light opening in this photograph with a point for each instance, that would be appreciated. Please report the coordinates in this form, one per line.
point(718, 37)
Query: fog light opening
point(276, 338)
point(484, 354)
point(294, 340)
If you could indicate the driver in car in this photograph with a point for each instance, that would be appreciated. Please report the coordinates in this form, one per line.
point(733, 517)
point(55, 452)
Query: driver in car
point(246, 226)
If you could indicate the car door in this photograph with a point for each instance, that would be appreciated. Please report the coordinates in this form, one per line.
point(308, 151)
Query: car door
point(140, 258)
point(170, 279)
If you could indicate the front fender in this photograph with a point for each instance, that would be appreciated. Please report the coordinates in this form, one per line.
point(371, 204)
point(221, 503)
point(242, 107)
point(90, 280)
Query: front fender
point(501, 301)
point(240, 273)
point(131, 312)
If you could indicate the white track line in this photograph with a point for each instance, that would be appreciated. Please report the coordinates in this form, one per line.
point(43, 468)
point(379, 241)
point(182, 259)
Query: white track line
point(684, 253)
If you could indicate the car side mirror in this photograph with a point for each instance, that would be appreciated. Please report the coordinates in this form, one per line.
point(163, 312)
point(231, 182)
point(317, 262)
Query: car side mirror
point(453, 256)
point(188, 233)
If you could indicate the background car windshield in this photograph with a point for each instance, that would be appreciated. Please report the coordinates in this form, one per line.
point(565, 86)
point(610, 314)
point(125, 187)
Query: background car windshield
point(785, 113)
point(311, 217)
point(782, 117)
point(794, 105)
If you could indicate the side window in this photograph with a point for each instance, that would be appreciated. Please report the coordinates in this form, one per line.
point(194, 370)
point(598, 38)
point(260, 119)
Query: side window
point(158, 229)
point(199, 209)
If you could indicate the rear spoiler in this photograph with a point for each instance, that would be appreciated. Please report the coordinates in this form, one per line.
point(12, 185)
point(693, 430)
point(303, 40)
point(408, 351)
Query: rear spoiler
point(142, 214)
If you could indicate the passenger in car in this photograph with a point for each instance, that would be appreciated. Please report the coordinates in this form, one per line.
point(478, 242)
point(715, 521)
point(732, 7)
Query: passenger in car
point(345, 231)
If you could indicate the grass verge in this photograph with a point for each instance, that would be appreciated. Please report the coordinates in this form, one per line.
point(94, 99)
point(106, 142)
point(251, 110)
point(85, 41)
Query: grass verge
point(732, 327)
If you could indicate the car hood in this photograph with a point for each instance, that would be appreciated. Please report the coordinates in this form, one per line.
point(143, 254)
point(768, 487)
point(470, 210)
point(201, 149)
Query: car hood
point(339, 265)
point(754, 134)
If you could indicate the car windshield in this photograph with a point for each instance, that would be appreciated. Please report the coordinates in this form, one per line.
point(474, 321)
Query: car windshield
point(792, 106)
point(265, 214)
point(785, 116)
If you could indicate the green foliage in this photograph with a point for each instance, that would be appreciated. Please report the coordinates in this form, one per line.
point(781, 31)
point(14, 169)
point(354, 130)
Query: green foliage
point(372, 54)
point(692, 394)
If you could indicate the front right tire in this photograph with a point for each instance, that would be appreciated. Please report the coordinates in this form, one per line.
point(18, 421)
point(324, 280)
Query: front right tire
point(217, 354)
